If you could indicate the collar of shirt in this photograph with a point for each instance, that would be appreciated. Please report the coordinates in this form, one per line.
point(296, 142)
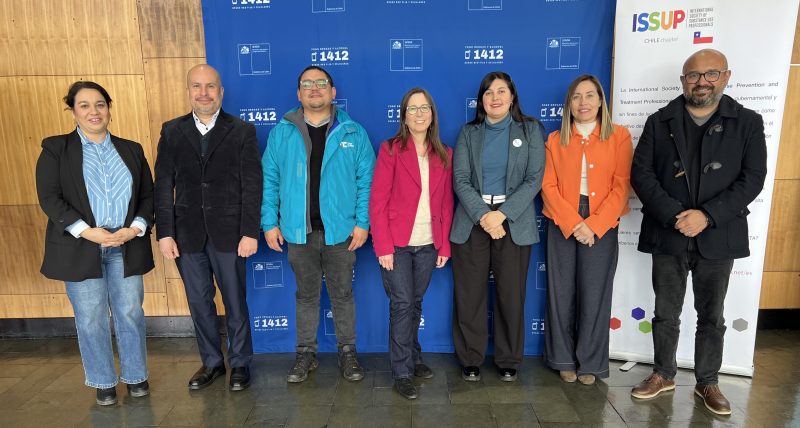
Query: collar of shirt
point(103, 145)
point(202, 127)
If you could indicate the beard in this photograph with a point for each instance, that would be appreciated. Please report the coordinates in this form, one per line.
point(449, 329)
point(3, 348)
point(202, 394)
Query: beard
point(694, 101)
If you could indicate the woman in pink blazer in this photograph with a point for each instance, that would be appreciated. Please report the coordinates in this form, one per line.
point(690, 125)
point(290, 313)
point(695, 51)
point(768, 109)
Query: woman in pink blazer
point(410, 212)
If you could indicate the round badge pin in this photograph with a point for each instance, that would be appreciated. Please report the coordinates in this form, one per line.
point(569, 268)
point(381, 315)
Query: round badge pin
point(517, 142)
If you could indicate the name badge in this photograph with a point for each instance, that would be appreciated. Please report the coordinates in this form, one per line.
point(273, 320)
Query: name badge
point(517, 142)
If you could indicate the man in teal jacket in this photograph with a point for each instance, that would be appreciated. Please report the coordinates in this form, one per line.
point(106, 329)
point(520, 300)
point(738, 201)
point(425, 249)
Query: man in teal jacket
point(317, 175)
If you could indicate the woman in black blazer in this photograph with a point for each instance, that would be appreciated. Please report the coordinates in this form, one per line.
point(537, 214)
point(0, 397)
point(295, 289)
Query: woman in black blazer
point(97, 192)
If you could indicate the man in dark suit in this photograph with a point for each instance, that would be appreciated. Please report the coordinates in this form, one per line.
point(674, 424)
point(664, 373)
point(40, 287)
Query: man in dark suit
point(698, 164)
point(209, 161)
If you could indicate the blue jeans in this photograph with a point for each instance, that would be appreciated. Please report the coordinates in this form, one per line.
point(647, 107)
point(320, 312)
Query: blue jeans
point(91, 300)
point(406, 285)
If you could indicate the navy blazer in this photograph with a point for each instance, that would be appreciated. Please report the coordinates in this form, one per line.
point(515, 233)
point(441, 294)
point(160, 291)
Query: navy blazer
point(219, 197)
point(63, 198)
point(523, 181)
point(733, 162)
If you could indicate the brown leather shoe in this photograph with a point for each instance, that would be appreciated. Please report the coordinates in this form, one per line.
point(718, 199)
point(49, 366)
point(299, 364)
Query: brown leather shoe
point(586, 379)
point(568, 376)
point(713, 399)
point(652, 386)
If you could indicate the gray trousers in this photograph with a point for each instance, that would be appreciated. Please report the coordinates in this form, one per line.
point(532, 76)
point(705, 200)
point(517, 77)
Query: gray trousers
point(580, 280)
point(309, 261)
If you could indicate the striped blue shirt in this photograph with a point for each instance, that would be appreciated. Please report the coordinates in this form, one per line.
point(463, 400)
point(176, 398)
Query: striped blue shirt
point(108, 185)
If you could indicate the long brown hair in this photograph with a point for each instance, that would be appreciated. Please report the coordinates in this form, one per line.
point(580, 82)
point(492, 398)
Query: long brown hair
point(431, 136)
point(603, 116)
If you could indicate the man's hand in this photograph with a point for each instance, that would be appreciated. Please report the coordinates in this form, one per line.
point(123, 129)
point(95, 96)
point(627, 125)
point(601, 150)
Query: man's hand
point(691, 222)
point(169, 249)
point(274, 239)
point(387, 261)
point(359, 238)
point(247, 246)
point(583, 234)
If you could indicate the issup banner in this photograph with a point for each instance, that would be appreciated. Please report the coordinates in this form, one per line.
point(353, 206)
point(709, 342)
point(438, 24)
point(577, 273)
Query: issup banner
point(375, 51)
point(652, 41)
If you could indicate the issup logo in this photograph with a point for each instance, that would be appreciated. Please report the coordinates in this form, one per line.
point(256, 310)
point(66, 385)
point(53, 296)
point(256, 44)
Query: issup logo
point(254, 59)
point(405, 55)
point(653, 21)
point(322, 6)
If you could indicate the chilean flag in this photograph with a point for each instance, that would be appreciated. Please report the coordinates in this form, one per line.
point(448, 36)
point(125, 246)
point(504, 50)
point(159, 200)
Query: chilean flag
point(698, 39)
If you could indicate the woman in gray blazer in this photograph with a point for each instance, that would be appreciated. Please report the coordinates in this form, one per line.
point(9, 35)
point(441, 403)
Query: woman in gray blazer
point(498, 166)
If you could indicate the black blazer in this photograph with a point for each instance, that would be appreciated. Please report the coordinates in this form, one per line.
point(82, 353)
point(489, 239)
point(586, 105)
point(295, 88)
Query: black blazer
point(63, 198)
point(219, 198)
point(733, 163)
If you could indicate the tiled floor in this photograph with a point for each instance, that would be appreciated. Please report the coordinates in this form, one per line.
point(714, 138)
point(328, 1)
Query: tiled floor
point(41, 385)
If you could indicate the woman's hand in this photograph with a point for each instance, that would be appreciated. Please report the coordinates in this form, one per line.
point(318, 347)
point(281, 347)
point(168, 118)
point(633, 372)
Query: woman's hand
point(98, 235)
point(492, 220)
point(387, 261)
point(583, 234)
point(441, 261)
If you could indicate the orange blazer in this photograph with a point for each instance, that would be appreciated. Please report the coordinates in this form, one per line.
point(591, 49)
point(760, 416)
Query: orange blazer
point(608, 171)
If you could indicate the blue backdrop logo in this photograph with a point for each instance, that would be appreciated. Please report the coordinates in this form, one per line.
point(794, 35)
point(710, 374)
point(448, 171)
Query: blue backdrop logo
point(340, 103)
point(484, 4)
point(322, 6)
point(405, 55)
point(393, 113)
point(270, 323)
point(471, 106)
point(267, 274)
point(563, 53)
point(259, 116)
point(484, 54)
point(254, 58)
point(551, 112)
point(405, 2)
point(537, 326)
point(330, 56)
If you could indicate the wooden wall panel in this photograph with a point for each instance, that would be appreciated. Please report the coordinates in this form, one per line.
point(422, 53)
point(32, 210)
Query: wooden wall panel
point(38, 112)
point(22, 246)
point(783, 241)
point(179, 306)
point(58, 306)
point(171, 29)
point(780, 290)
point(69, 37)
point(788, 166)
point(166, 91)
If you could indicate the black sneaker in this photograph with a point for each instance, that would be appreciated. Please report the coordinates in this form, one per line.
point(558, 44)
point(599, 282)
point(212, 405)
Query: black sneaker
point(348, 364)
point(507, 375)
point(471, 373)
point(406, 388)
point(107, 396)
point(139, 389)
point(423, 371)
point(304, 362)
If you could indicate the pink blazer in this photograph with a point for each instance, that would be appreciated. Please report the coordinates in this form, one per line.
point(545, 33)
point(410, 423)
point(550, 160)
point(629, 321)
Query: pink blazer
point(395, 196)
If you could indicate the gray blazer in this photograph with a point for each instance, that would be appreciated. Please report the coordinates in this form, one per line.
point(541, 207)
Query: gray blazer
point(523, 181)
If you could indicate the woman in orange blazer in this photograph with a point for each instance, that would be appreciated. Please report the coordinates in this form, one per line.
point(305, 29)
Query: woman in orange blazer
point(410, 212)
point(585, 191)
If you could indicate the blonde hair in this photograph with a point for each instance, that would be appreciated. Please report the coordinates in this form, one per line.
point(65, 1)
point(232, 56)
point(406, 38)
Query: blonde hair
point(603, 116)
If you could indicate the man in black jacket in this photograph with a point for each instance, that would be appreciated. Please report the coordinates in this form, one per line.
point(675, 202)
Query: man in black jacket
point(209, 161)
point(698, 164)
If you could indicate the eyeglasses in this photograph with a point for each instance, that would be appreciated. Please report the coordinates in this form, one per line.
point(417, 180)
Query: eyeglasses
point(320, 83)
point(425, 108)
point(710, 76)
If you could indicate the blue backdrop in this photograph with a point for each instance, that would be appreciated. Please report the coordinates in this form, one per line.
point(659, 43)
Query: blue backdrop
point(376, 50)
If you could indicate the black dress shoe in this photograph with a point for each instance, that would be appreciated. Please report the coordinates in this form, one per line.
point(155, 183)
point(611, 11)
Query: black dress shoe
point(406, 388)
point(205, 376)
point(471, 373)
point(507, 375)
point(107, 396)
point(240, 378)
point(139, 389)
point(423, 371)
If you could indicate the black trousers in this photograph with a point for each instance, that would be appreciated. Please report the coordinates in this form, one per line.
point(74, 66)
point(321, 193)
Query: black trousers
point(198, 271)
point(471, 263)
